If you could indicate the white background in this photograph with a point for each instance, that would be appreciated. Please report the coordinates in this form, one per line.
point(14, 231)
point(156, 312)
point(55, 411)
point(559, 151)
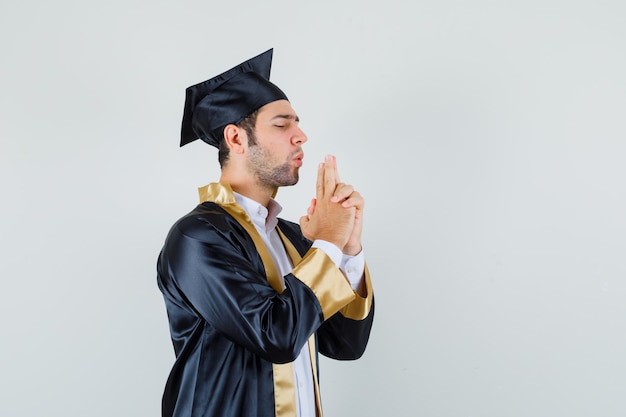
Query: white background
point(488, 138)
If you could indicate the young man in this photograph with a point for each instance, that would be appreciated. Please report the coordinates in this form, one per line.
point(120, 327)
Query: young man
point(252, 298)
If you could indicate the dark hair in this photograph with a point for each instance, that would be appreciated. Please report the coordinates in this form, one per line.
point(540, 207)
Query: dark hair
point(247, 123)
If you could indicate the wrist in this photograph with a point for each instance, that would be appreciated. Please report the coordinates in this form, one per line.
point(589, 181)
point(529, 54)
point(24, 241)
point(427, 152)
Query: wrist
point(340, 243)
point(352, 250)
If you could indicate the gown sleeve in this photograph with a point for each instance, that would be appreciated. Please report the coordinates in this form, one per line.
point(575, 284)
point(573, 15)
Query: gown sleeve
point(343, 335)
point(209, 268)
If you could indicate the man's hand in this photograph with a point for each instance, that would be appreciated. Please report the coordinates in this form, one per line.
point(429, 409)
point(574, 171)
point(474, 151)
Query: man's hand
point(336, 213)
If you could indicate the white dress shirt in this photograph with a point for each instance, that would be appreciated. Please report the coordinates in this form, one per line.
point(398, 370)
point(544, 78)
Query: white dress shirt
point(265, 221)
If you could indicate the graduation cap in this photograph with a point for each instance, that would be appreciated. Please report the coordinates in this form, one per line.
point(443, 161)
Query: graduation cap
point(228, 98)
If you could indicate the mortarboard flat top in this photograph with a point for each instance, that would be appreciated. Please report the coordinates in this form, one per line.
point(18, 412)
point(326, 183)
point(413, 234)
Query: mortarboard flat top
point(228, 98)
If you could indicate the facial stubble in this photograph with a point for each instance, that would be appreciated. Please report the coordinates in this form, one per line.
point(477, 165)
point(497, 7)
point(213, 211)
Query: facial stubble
point(263, 164)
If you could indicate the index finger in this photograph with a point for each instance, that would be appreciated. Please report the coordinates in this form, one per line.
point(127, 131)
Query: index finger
point(319, 184)
point(330, 181)
point(334, 161)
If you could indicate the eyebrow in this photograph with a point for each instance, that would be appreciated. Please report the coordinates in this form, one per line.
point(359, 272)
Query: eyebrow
point(286, 116)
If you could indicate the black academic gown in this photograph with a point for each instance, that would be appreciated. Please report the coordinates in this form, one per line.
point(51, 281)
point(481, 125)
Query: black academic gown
point(235, 331)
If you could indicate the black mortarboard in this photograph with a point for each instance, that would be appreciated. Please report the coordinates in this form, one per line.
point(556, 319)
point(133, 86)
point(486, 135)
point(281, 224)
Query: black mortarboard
point(228, 98)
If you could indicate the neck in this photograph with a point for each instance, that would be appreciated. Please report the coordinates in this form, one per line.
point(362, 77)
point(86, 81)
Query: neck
point(249, 188)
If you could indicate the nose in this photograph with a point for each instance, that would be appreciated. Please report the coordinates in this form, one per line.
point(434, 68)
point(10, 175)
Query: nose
point(299, 137)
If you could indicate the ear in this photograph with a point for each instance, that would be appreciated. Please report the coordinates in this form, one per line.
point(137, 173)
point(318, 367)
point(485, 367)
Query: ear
point(234, 138)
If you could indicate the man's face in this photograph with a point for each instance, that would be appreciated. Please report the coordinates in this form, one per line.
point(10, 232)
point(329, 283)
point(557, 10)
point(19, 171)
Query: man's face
point(277, 155)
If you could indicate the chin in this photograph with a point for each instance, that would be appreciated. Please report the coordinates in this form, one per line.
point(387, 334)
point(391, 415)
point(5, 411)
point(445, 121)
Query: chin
point(290, 183)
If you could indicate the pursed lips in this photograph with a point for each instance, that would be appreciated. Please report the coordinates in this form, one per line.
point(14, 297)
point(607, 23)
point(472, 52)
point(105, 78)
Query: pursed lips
point(298, 158)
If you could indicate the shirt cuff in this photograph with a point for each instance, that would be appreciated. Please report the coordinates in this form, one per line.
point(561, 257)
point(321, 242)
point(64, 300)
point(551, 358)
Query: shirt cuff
point(330, 249)
point(352, 266)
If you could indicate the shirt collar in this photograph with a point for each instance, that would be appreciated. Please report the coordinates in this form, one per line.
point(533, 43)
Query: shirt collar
point(263, 217)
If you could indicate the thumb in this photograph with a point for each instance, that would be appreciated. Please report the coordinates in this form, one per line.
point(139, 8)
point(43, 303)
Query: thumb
point(304, 221)
point(311, 208)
